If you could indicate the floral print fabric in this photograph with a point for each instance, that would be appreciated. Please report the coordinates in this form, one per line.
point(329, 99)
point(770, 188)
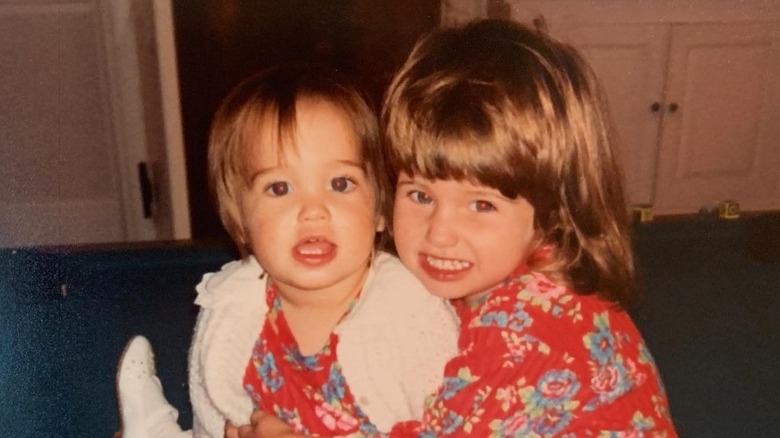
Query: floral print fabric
point(307, 392)
point(537, 360)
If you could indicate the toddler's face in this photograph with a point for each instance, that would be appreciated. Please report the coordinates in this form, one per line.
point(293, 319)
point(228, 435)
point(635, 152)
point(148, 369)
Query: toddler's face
point(309, 215)
point(460, 238)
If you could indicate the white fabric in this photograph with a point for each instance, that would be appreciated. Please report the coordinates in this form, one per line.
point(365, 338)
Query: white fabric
point(392, 346)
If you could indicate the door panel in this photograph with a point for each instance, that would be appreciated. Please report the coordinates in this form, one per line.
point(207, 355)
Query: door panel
point(720, 134)
point(58, 172)
point(87, 91)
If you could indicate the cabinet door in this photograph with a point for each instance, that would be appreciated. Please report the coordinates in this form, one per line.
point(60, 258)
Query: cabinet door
point(721, 130)
point(630, 61)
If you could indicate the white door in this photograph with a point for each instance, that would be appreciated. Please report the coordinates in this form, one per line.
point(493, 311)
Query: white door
point(73, 123)
point(721, 132)
point(630, 61)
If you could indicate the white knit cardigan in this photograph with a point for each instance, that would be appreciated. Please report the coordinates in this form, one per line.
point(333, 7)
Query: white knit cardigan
point(392, 346)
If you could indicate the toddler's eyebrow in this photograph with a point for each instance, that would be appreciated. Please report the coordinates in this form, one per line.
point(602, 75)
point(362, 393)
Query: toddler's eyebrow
point(260, 173)
point(351, 163)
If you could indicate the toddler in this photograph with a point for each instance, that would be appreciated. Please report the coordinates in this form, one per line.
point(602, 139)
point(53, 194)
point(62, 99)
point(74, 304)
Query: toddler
point(315, 325)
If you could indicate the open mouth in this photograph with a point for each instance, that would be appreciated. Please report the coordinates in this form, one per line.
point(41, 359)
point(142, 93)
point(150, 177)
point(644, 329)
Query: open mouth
point(314, 251)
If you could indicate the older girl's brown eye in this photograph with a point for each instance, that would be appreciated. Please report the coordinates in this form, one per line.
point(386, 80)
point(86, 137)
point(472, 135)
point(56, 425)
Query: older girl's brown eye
point(482, 206)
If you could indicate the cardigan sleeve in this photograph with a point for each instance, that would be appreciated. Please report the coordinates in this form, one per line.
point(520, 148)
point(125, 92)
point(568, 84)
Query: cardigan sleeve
point(232, 312)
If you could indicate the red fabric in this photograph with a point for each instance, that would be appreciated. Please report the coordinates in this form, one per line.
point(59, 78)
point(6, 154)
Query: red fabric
point(307, 392)
point(537, 359)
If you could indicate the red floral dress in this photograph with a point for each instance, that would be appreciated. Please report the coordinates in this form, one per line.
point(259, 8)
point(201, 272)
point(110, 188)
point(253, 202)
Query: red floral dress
point(307, 392)
point(537, 360)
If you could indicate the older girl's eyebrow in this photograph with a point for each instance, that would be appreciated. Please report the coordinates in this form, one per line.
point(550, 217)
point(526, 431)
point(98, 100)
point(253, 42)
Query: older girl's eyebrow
point(407, 182)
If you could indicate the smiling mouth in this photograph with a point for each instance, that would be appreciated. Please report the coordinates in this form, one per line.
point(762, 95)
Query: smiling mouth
point(444, 269)
point(447, 264)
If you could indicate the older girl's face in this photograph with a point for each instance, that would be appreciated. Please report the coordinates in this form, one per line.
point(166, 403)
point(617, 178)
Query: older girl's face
point(309, 214)
point(460, 238)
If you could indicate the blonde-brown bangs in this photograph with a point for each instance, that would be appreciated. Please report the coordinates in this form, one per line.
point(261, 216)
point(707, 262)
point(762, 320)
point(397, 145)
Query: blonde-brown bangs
point(464, 137)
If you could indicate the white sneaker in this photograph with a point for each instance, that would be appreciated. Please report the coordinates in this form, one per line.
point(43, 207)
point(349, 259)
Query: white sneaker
point(142, 404)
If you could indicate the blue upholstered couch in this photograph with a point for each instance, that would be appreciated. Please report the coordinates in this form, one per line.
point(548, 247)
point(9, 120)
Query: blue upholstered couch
point(710, 314)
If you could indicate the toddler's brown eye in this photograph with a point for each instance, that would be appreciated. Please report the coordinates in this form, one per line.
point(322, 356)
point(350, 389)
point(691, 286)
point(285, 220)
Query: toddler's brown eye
point(341, 184)
point(279, 188)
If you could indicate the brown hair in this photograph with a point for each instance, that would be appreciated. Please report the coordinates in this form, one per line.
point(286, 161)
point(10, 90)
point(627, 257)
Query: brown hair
point(270, 98)
point(505, 106)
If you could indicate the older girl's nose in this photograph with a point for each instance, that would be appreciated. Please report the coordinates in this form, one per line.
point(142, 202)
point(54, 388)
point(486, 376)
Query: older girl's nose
point(441, 228)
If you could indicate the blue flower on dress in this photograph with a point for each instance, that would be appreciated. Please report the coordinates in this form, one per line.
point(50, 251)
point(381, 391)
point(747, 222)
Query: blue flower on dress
point(555, 388)
point(520, 318)
point(293, 356)
point(451, 423)
point(497, 319)
point(452, 385)
point(601, 343)
point(334, 389)
point(269, 372)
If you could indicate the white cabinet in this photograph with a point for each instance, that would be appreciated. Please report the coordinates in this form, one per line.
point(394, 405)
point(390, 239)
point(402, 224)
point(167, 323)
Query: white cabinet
point(696, 107)
point(723, 142)
point(694, 90)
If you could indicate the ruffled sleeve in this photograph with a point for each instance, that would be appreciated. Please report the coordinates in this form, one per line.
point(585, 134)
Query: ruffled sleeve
point(231, 315)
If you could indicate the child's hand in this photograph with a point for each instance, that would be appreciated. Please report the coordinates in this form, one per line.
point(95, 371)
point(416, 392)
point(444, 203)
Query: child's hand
point(261, 425)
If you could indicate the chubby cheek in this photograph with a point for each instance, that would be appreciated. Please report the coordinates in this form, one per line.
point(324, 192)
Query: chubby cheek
point(261, 231)
point(260, 239)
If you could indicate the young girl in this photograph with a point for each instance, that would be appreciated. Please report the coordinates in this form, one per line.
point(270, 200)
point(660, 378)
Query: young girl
point(509, 202)
point(313, 326)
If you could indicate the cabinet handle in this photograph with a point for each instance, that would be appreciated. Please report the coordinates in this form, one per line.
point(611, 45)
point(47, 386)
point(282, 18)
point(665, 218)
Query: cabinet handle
point(673, 108)
point(655, 107)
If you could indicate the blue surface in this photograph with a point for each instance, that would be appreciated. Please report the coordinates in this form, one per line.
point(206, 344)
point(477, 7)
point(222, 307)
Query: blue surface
point(58, 352)
point(710, 314)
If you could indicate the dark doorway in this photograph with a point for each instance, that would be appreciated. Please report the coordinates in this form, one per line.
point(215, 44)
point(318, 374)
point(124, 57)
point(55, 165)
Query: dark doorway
point(219, 42)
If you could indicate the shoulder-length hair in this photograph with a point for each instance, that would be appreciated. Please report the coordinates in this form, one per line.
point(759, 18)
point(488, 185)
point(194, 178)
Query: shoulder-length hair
point(505, 106)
